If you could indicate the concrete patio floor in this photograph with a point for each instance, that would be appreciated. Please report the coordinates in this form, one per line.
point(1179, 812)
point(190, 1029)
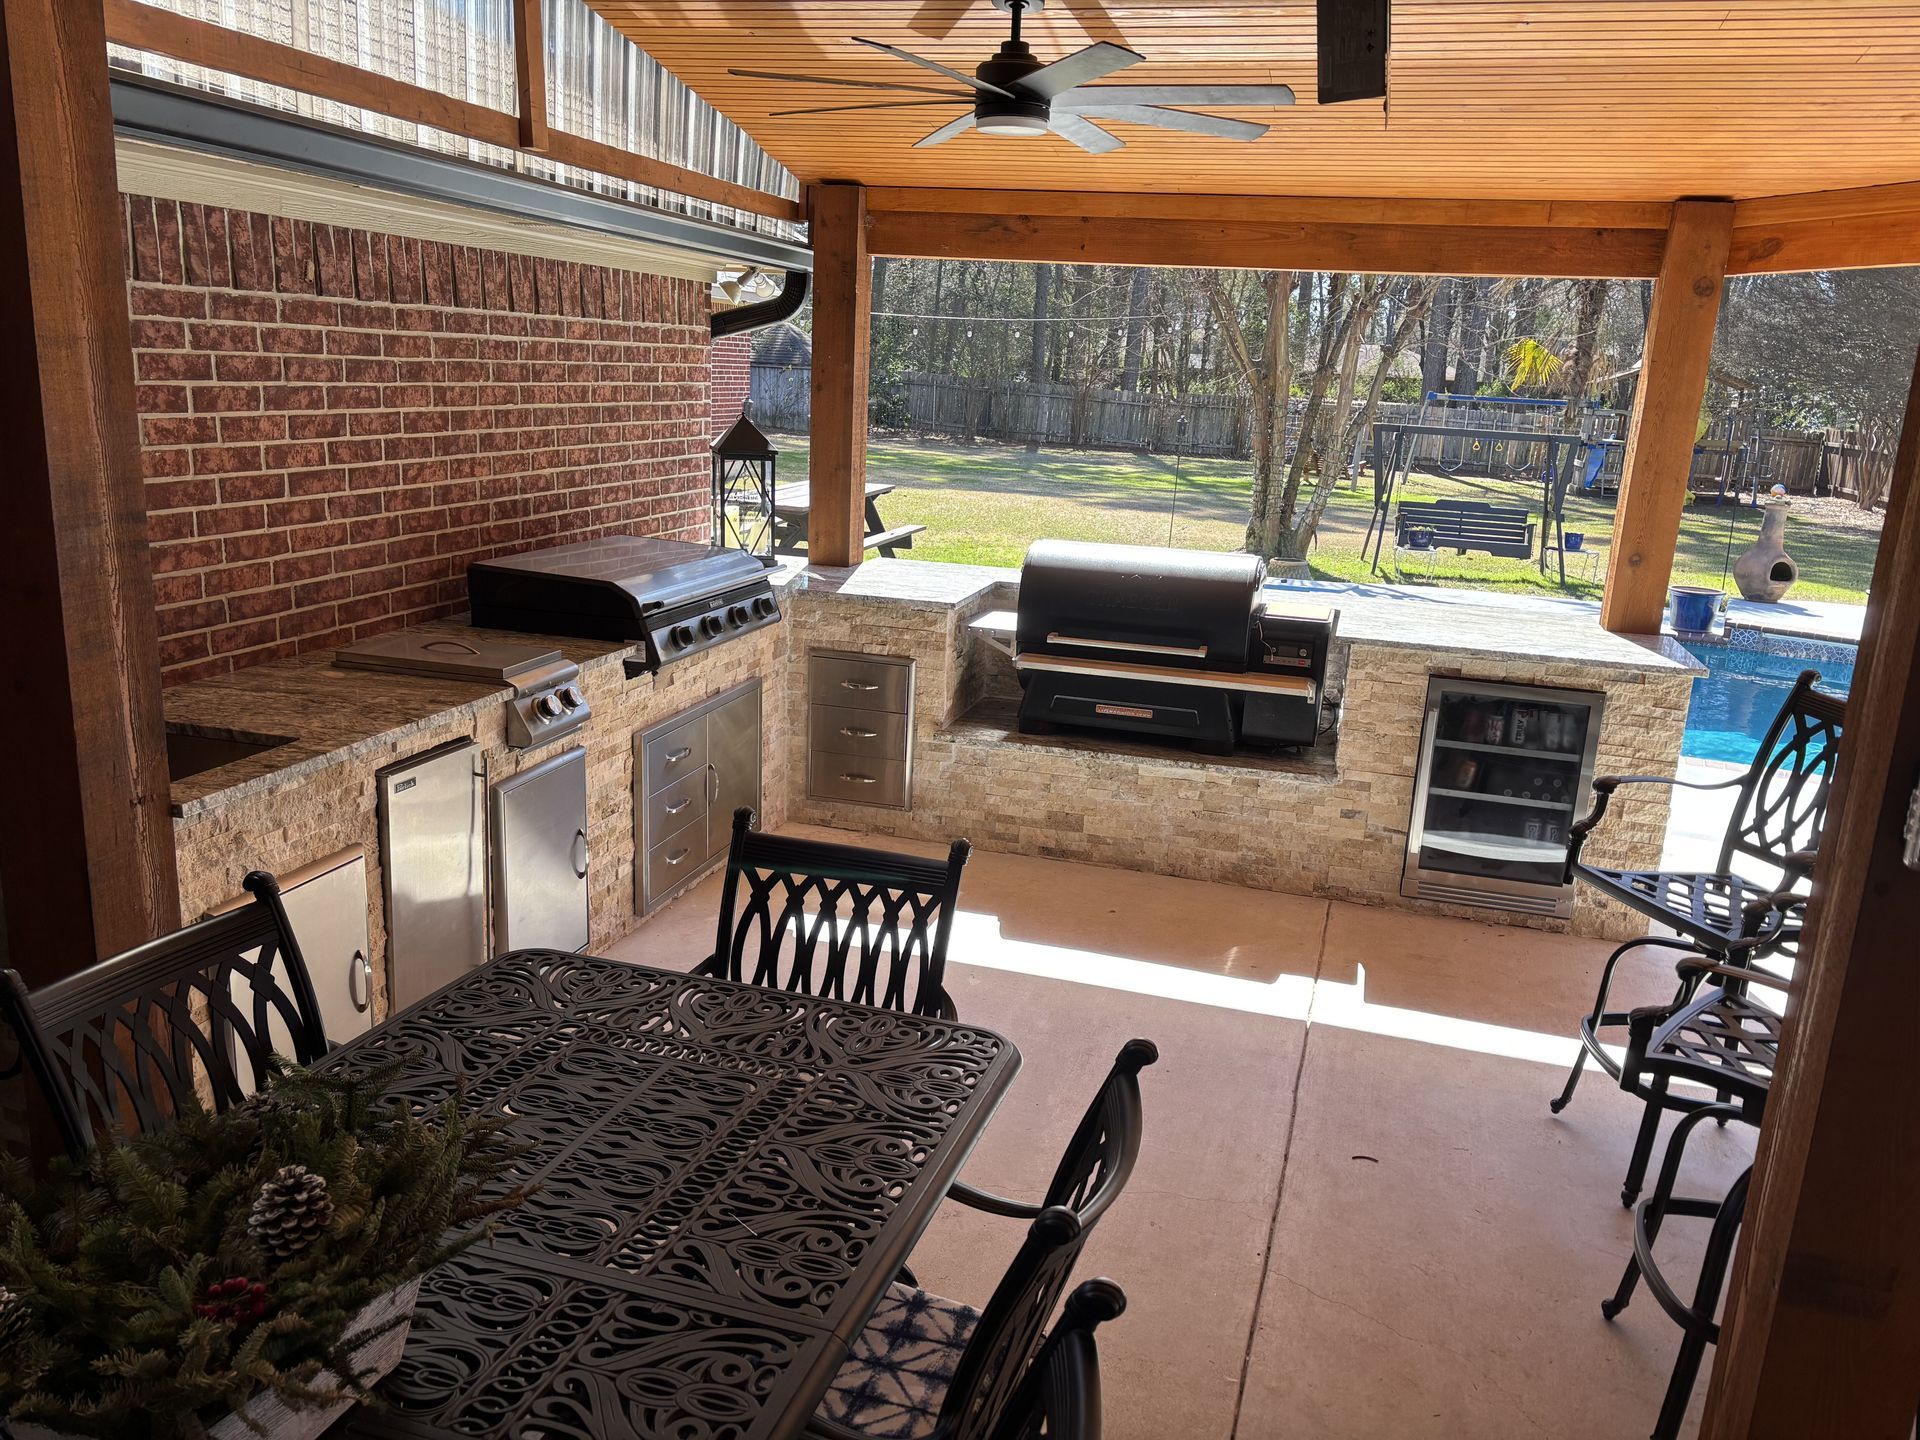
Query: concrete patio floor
point(1353, 1214)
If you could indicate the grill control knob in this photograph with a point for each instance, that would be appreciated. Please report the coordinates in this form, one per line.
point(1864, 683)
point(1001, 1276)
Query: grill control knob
point(571, 698)
point(739, 615)
point(681, 635)
point(763, 605)
point(547, 707)
point(711, 625)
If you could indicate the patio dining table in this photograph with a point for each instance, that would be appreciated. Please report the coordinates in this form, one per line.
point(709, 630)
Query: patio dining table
point(728, 1178)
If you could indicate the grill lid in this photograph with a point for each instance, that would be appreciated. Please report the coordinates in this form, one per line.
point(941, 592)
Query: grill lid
point(655, 573)
point(1190, 608)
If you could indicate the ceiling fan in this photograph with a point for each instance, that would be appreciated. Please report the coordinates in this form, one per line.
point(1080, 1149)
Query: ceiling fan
point(1015, 93)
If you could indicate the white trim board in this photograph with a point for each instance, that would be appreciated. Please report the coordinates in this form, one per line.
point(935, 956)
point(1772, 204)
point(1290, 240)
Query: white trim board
point(168, 172)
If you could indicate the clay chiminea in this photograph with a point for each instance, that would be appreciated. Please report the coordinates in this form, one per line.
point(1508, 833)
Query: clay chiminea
point(1766, 572)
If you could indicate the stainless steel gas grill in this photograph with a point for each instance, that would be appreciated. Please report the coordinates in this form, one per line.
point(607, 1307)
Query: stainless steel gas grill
point(1169, 643)
point(677, 597)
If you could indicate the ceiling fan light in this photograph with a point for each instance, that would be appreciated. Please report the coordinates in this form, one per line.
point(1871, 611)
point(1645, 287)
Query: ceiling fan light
point(1012, 125)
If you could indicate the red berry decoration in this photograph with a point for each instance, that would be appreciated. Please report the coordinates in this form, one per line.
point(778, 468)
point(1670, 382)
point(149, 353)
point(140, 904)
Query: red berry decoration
point(233, 1301)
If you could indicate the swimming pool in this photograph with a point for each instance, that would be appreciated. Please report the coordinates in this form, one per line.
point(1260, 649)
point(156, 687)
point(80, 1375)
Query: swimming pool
point(1748, 675)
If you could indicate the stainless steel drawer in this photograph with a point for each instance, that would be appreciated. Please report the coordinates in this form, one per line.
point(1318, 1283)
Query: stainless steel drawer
point(673, 859)
point(834, 729)
point(865, 782)
point(681, 803)
point(677, 754)
point(860, 683)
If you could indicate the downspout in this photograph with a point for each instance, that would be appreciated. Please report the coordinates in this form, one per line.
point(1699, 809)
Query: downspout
point(784, 306)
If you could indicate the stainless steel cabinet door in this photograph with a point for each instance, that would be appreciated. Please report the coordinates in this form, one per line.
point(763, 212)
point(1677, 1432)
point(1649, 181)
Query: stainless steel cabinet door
point(433, 851)
point(327, 907)
point(540, 856)
point(733, 752)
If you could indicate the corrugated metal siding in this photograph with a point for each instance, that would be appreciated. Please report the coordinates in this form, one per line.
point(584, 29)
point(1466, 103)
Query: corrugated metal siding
point(599, 85)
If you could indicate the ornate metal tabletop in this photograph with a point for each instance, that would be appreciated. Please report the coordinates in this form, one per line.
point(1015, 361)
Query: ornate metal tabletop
point(729, 1177)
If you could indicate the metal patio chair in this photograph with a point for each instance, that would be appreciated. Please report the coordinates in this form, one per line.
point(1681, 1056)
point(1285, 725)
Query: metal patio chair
point(189, 1019)
point(863, 925)
point(1695, 1317)
point(929, 1368)
point(1060, 1398)
point(1725, 923)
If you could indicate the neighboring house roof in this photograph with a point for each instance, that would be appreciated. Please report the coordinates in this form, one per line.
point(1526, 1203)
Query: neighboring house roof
point(785, 344)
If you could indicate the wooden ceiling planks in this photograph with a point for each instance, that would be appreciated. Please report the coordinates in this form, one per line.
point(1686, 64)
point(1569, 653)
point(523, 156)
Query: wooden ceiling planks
point(1511, 99)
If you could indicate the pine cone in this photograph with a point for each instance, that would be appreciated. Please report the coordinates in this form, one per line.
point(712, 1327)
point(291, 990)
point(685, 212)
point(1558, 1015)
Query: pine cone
point(291, 1211)
point(13, 1317)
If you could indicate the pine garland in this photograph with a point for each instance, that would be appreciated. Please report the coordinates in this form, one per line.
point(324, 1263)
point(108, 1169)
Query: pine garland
point(142, 1297)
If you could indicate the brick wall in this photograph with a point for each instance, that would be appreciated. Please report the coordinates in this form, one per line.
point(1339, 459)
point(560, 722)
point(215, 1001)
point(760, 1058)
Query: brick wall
point(732, 371)
point(335, 422)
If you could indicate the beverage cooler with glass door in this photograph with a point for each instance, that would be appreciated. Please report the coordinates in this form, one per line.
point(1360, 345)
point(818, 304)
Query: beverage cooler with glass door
point(1504, 771)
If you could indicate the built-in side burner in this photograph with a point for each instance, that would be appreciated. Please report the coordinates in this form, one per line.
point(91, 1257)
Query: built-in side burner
point(547, 700)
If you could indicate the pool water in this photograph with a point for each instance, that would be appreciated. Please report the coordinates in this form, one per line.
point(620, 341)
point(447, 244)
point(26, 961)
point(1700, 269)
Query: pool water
point(1748, 676)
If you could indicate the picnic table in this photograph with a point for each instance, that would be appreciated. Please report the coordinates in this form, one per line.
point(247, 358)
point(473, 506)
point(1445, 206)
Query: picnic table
point(727, 1179)
point(792, 502)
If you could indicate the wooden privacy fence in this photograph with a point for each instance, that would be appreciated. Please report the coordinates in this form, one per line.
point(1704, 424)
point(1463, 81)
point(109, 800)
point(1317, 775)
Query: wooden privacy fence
point(1853, 464)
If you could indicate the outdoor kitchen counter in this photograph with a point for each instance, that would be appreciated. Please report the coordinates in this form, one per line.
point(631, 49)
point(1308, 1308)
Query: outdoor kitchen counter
point(327, 714)
point(1331, 821)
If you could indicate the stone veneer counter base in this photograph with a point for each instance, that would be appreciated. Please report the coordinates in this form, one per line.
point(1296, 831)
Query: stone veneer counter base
point(1333, 823)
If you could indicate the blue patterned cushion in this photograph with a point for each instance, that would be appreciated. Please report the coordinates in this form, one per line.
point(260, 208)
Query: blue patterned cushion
point(898, 1370)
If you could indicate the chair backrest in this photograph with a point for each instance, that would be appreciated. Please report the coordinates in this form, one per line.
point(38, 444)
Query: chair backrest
point(1100, 1156)
point(848, 923)
point(1060, 1398)
point(1782, 806)
point(1091, 1175)
point(122, 1046)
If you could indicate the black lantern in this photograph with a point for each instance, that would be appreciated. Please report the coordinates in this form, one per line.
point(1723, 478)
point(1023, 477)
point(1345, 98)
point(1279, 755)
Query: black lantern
point(743, 464)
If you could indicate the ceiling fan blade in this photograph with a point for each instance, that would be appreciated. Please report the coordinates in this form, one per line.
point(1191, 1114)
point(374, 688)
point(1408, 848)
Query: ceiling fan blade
point(959, 125)
point(1085, 134)
point(1102, 97)
point(874, 105)
point(1219, 125)
point(848, 84)
point(1078, 68)
point(934, 65)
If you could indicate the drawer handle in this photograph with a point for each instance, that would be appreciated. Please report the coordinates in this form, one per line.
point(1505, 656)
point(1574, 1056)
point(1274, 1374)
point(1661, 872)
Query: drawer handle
point(677, 856)
point(365, 988)
point(676, 809)
point(674, 757)
point(860, 779)
point(582, 855)
point(858, 685)
point(854, 732)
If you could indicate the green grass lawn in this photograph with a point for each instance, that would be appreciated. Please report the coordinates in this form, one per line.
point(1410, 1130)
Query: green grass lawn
point(983, 504)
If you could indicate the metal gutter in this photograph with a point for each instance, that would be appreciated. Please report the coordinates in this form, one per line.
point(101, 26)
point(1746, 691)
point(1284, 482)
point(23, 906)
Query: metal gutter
point(166, 114)
point(784, 306)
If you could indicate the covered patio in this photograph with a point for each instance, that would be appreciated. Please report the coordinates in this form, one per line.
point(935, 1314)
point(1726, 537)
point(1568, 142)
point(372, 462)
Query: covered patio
point(1353, 1214)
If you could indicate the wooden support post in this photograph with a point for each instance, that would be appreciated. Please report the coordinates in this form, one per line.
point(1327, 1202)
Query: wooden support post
point(86, 849)
point(842, 318)
point(1666, 415)
point(530, 73)
point(1822, 1335)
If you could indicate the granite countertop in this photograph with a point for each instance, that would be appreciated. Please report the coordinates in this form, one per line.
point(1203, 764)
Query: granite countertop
point(324, 714)
point(926, 584)
point(1456, 622)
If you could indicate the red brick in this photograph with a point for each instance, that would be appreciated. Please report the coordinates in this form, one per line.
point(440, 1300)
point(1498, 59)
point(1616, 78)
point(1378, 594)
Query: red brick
point(172, 365)
point(225, 459)
point(230, 519)
point(179, 430)
point(167, 525)
point(251, 244)
point(236, 488)
point(244, 636)
point(216, 335)
point(232, 579)
point(352, 342)
point(229, 305)
point(263, 546)
point(257, 604)
point(235, 429)
point(225, 398)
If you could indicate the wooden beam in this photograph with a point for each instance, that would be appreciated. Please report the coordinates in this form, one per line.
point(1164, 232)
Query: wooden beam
point(842, 316)
point(1237, 239)
point(199, 42)
point(1284, 209)
point(1666, 415)
point(1874, 225)
point(86, 858)
point(1822, 1334)
point(530, 73)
